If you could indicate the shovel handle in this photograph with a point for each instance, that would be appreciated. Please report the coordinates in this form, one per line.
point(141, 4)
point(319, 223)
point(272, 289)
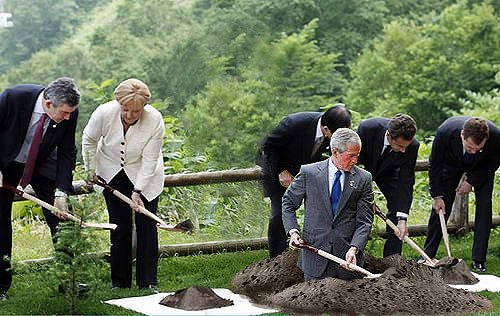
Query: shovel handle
point(161, 223)
point(444, 230)
point(55, 210)
point(406, 238)
point(334, 258)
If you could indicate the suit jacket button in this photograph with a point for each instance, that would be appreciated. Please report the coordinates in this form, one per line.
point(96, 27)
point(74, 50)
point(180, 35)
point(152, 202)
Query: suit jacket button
point(121, 165)
point(123, 143)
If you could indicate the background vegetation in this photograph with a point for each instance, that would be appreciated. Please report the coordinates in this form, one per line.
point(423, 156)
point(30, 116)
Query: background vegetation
point(224, 72)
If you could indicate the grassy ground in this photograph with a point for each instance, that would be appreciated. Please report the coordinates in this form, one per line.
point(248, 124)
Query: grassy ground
point(33, 293)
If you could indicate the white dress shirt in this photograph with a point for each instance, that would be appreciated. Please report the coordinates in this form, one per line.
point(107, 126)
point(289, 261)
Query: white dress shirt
point(331, 176)
point(139, 153)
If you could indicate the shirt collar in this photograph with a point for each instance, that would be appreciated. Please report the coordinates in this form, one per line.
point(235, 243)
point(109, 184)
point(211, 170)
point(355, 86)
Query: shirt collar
point(319, 133)
point(38, 104)
point(386, 141)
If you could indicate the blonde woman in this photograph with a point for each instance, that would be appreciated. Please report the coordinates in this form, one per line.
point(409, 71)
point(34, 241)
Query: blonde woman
point(122, 143)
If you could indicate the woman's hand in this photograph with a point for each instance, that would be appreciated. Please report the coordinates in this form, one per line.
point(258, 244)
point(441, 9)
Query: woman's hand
point(136, 198)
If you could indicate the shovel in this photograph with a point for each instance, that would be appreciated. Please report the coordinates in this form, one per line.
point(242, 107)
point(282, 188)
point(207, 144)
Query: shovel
point(329, 256)
point(407, 239)
point(185, 226)
point(57, 211)
point(445, 232)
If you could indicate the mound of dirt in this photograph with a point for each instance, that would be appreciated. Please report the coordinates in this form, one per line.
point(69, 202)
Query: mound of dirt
point(385, 295)
point(458, 273)
point(405, 288)
point(195, 298)
point(268, 276)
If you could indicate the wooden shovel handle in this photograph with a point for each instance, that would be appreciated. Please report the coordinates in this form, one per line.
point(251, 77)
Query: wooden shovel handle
point(333, 258)
point(55, 210)
point(406, 239)
point(444, 230)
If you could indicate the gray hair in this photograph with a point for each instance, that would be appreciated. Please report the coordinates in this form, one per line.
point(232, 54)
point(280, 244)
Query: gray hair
point(341, 137)
point(62, 90)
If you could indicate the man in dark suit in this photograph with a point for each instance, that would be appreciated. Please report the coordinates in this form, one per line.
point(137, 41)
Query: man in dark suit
point(33, 121)
point(300, 138)
point(390, 153)
point(338, 212)
point(467, 145)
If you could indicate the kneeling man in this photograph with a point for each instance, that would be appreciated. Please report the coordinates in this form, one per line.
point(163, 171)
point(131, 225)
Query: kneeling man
point(338, 212)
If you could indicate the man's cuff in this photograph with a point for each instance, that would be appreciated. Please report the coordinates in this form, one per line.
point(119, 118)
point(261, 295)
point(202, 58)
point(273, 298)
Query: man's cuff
point(60, 193)
point(293, 230)
point(401, 215)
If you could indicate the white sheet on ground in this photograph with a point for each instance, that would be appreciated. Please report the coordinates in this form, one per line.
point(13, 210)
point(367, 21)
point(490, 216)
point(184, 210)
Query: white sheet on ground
point(487, 282)
point(150, 305)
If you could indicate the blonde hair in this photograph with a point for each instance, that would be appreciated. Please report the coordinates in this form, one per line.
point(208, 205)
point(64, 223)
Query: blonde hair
point(132, 91)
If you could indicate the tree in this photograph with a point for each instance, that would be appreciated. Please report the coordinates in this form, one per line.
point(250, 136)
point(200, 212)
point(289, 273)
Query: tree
point(228, 119)
point(424, 69)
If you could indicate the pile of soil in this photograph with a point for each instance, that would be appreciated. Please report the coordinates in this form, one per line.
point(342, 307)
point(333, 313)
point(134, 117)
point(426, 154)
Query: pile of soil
point(457, 273)
point(405, 287)
point(268, 276)
point(195, 298)
point(385, 295)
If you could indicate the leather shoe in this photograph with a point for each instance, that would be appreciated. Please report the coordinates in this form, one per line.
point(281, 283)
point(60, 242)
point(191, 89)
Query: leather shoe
point(3, 296)
point(150, 288)
point(478, 266)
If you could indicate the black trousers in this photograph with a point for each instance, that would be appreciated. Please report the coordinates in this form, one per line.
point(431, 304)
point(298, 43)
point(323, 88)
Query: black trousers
point(276, 235)
point(393, 245)
point(482, 219)
point(44, 189)
point(121, 214)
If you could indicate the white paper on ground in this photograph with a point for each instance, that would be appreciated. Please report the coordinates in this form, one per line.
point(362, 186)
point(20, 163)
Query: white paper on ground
point(150, 305)
point(487, 282)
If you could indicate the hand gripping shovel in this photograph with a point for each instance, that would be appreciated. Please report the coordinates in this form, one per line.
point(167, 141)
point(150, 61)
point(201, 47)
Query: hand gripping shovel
point(407, 239)
point(329, 256)
point(185, 226)
point(56, 211)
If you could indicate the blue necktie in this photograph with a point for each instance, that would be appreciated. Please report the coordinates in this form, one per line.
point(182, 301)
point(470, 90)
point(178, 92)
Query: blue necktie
point(336, 192)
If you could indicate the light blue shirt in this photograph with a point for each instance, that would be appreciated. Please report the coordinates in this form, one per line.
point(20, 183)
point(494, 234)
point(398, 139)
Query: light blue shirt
point(38, 111)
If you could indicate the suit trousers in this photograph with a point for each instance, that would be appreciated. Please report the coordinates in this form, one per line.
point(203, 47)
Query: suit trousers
point(44, 189)
point(276, 235)
point(482, 219)
point(393, 245)
point(121, 214)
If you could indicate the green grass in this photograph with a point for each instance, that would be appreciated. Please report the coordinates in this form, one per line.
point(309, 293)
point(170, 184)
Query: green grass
point(32, 293)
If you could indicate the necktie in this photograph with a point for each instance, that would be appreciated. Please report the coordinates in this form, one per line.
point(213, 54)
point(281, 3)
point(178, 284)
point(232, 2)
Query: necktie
point(469, 158)
point(336, 192)
point(386, 151)
point(33, 153)
point(317, 144)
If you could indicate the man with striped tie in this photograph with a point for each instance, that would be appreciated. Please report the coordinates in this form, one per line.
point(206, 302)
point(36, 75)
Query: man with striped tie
point(34, 120)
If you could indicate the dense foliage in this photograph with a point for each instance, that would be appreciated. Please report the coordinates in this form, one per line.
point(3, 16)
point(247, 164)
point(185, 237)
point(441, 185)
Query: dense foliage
point(224, 72)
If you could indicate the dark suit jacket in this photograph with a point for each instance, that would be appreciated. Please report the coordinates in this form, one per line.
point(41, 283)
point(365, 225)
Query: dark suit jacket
point(16, 107)
point(446, 157)
point(289, 146)
point(395, 175)
point(351, 225)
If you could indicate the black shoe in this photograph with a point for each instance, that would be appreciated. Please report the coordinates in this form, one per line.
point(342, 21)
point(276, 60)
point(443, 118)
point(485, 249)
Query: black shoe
point(3, 296)
point(478, 266)
point(150, 288)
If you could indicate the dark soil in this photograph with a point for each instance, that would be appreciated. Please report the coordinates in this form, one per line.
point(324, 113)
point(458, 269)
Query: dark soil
point(405, 288)
point(268, 276)
point(195, 298)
